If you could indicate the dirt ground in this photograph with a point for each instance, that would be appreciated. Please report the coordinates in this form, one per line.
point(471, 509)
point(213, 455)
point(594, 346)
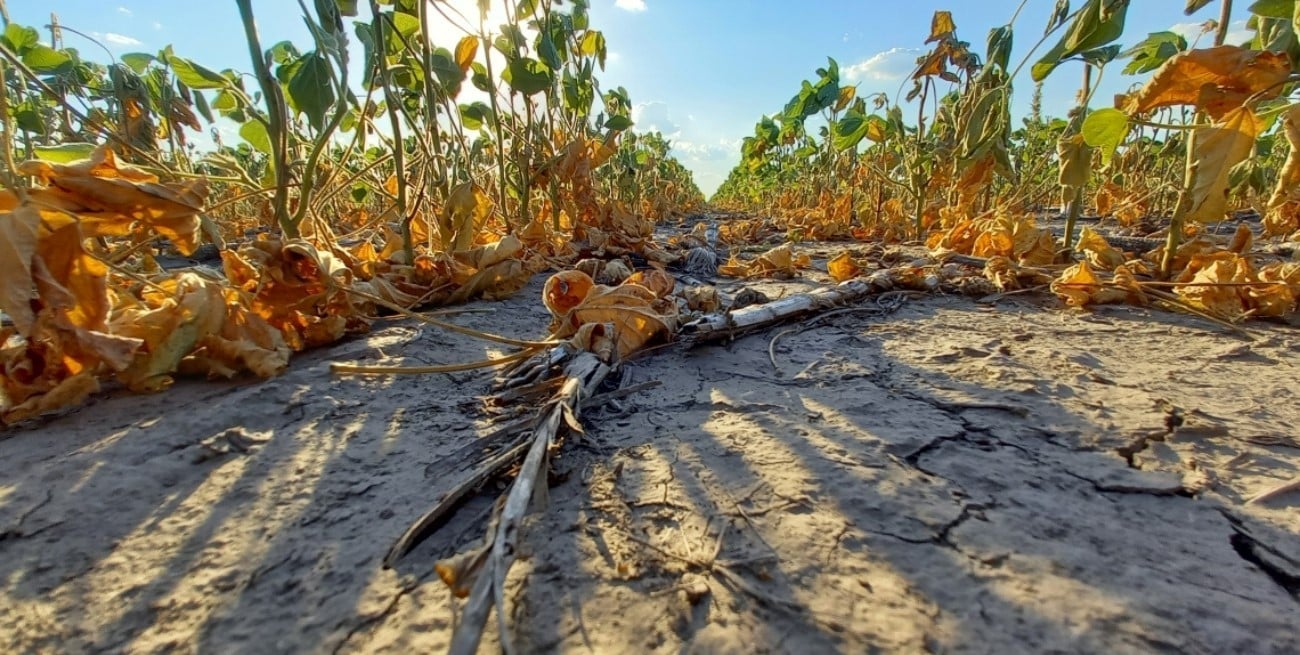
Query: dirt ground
point(949, 478)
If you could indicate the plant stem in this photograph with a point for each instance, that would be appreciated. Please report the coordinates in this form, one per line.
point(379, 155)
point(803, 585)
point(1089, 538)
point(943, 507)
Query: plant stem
point(1225, 15)
point(394, 117)
point(496, 123)
point(277, 123)
point(1175, 236)
point(10, 178)
point(322, 141)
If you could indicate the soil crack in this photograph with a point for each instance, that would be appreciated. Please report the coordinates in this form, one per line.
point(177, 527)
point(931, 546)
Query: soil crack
point(15, 531)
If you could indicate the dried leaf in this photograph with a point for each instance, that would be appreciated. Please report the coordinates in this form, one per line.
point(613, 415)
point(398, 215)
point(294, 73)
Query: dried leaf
point(575, 301)
point(1218, 148)
point(71, 391)
point(1099, 253)
point(18, 236)
point(656, 280)
point(1217, 80)
point(842, 267)
point(466, 212)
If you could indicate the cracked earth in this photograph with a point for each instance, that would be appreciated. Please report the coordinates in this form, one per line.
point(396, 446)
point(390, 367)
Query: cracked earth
point(951, 477)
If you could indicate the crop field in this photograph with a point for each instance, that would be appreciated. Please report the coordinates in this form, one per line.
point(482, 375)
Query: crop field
point(412, 334)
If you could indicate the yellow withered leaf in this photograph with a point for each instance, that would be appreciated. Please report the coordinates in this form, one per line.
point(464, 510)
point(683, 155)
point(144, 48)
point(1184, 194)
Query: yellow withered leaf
point(1079, 286)
point(1279, 296)
point(1212, 289)
point(941, 26)
point(496, 281)
point(508, 247)
point(1217, 80)
point(632, 310)
point(1282, 216)
point(1242, 239)
point(1098, 252)
point(110, 197)
point(466, 49)
point(170, 322)
point(68, 392)
point(566, 290)
point(842, 267)
point(1076, 285)
point(1218, 148)
point(18, 236)
point(245, 342)
point(656, 280)
point(466, 211)
point(69, 281)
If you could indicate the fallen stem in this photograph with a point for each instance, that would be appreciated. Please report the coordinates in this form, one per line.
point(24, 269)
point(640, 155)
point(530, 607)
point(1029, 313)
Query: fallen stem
point(522, 343)
point(356, 369)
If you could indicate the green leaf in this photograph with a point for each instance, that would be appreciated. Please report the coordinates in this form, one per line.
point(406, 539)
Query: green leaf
point(359, 193)
point(618, 123)
point(999, 50)
point(475, 115)
point(547, 51)
point(479, 78)
point(64, 152)
point(525, 9)
point(19, 38)
point(283, 52)
point(1059, 13)
point(30, 119)
point(850, 130)
point(196, 76)
point(225, 102)
point(593, 45)
point(448, 71)
point(578, 93)
point(254, 132)
point(1105, 129)
point(310, 88)
point(1283, 9)
point(1153, 51)
point(1100, 56)
point(406, 24)
point(1097, 24)
point(138, 61)
point(1194, 6)
point(201, 104)
point(528, 76)
point(346, 7)
point(44, 59)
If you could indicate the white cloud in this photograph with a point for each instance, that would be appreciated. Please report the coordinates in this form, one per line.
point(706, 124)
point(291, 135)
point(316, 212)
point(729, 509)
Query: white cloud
point(613, 57)
point(891, 64)
point(157, 25)
point(124, 11)
point(630, 5)
point(120, 39)
point(654, 116)
point(1237, 32)
point(696, 152)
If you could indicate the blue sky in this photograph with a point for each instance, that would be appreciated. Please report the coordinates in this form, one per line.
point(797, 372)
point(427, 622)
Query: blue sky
point(701, 71)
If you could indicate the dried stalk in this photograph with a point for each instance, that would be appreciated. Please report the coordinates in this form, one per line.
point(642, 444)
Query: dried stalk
point(582, 376)
point(723, 325)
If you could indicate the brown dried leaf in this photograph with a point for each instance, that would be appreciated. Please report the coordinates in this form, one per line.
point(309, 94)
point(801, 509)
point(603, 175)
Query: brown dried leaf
point(1098, 252)
point(842, 267)
point(71, 391)
point(1218, 148)
point(1217, 80)
point(18, 237)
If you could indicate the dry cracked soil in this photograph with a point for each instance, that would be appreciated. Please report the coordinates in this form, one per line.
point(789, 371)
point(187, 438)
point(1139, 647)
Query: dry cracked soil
point(948, 478)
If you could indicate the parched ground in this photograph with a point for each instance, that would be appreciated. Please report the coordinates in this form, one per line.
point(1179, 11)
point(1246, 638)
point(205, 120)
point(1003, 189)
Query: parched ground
point(951, 477)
